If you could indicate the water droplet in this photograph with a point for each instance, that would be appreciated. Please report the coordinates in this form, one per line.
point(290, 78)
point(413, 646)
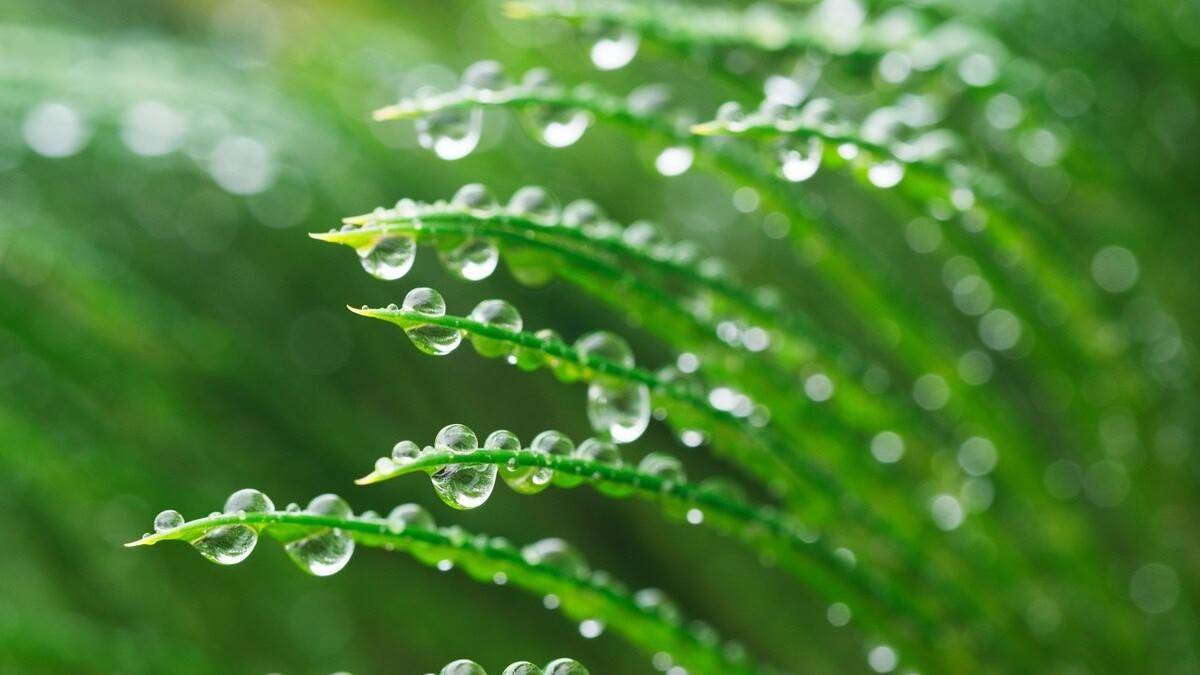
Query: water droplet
point(675, 160)
point(557, 554)
point(429, 338)
point(663, 466)
point(557, 444)
point(167, 520)
point(463, 667)
point(799, 159)
point(390, 258)
point(410, 515)
point(450, 134)
point(464, 486)
point(555, 126)
point(486, 78)
point(498, 314)
point(601, 452)
point(732, 115)
point(231, 544)
point(645, 236)
point(606, 346)
point(582, 213)
point(528, 358)
point(615, 48)
point(522, 668)
point(654, 600)
point(473, 260)
point(886, 174)
point(565, 667)
point(326, 551)
point(457, 438)
point(476, 198)
point(534, 203)
point(384, 465)
point(404, 452)
point(622, 411)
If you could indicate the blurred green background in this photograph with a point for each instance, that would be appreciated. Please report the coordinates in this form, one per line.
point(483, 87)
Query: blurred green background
point(168, 332)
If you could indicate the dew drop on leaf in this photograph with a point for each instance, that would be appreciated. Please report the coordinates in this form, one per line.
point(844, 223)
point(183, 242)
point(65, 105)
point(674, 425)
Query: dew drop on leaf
point(557, 554)
point(622, 411)
point(463, 667)
point(477, 198)
point(450, 134)
point(534, 203)
point(614, 48)
point(799, 159)
point(457, 438)
point(326, 551)
point(410, 515)
point(606, 346)
point(555, 126)
point(167, 520)
point(522, 668)
point(429, 338)
point(473, 260)
point(464, 486)
point(557, 444)
point(565, 667)
point(663, 466)
point(231, 544)
point(390, 258)
point(498, 314)
point(404, 452)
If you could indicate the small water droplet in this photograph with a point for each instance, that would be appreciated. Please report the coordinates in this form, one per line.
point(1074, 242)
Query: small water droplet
point(463, 667)
point(557, 554)
point(663, 466)
point(326, 551)
point(800, 159)
point(675, 160)
point(582, 213)
point(522, 668)
point(486, 78)
point(410, 515)
point(556, 126)
point(654, 600)
point(497, 314)
point(556, 444)
point(404, 452)
point(389, 258)
point(473, 260)
point(450, 134)
point(534, 203)
point(476, 198)
point(429, 338)
point(614, 48)
point(565, 667)
point(457, 438)
point(622, 411)
point(167, 520)
point(886, 174)
point(606, 346)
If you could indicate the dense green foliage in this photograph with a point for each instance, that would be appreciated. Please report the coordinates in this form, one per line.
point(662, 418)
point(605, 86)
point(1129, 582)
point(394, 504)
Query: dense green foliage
point(909, 286)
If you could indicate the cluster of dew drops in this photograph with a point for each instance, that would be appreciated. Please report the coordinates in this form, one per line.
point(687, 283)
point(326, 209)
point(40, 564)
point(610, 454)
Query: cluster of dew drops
point(467, 486)
point(563, 666)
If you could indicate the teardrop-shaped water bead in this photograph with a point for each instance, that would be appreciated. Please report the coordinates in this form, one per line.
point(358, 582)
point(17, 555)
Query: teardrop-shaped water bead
point(231, 544)
point(450, 134)
point(473, 260)
point(476, 198)
point(558, 554)
point(886, 174)
point(529, 358)
point(463, 667)
point(498, 314)
point(607, 346)
point(410, 515)
point(390, 258)
point(326, 551)
point(556, 444)
point(614, 48)
point(534, 203)
point(430, 338)
point(520, 478)
point(665, 467)
point(555, 126)
point(248, 500)
point(582, 213)
point(457, 438)
point(522, 668)
point(800, 159)
point(405, 452)
point(565, 667)
point(485, 78)
point(622, 411)
point(167, 520)
point(464, 486)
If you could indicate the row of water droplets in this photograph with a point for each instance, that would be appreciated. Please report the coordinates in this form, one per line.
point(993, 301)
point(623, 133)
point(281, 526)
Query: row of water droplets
point(617, 408)
point(563, 666)
point(324, 552)
point(468, 485)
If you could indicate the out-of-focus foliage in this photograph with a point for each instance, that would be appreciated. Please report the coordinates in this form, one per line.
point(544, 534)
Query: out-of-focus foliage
point(168, 332)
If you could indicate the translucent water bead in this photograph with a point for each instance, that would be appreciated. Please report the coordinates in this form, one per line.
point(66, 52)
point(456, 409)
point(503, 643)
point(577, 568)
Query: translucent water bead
point(410, 515)
point(486, 79)
point(404, 452)
point(799, 159)
point(327, 551)
point(389, 258)
point(565, 667)
point(498, 314)
point(557, 554)
point(663, 466)
point(450, 134)
point(582, 213)
point(430, 338)
point(473, 260)
point(463, 667)
point(534, 203)
point(555, 126)
point(557, 444)
point(654, 600)
point(167, 520)
point(526, 480)
point(231, 544)
point(462, 486)
point(614, 48)
point(620, 411)
point(603, 452)
point(522, 668)
point(606, 346)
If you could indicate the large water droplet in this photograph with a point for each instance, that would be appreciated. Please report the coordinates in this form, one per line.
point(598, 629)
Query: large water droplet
point(555, 126)
point(607, 346)
point(231, 544)
point(615, 48)
point(885, 174)
point(457, 438)
point(522, 668)
point(476, 198)
point(390, 258)
point(486, 78)
point(463, 667)
point(167, 520)
point(450, 134)
point(326, 551)
point(410, 515)
point(498, 314)
point(800, 159)
point(565, 667)
point(557, 444)
point(429, 338)
point(558, 554)
point(622, 411)
point(534, 203)
point(663, 466)
point(473, 260)
point(404, 452)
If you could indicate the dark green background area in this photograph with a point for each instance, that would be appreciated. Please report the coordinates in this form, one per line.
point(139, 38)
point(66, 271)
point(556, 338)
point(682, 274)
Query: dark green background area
point(164, 343)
